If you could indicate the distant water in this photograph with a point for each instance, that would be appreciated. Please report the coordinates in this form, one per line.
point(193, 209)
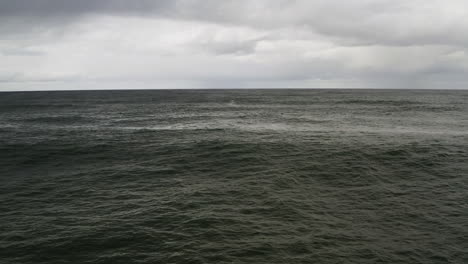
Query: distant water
point(257, 176)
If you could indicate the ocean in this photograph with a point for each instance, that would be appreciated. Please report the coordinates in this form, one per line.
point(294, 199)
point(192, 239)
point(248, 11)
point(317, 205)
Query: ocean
point(234, 176)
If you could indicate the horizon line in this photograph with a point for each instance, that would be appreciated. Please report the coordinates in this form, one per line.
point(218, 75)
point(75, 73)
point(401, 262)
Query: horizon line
point(214, 89)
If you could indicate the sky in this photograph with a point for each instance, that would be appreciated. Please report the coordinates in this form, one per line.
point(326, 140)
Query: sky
point(143, 44)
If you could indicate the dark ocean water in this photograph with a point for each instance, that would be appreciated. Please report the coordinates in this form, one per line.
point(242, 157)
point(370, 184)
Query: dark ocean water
point(258, 176)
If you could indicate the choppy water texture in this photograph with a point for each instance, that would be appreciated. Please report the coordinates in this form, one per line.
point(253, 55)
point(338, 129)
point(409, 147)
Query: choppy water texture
point(264, 176)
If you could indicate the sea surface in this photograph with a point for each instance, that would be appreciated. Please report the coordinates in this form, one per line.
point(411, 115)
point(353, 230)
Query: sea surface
point(234, 176)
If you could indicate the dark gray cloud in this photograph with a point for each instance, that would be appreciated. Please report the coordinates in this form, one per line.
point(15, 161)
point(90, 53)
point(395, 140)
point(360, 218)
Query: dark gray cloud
point(371, 43)
point(51, 8)
point(362, 22)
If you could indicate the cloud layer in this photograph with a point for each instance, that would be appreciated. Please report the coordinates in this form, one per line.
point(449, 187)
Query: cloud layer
point(58, 44)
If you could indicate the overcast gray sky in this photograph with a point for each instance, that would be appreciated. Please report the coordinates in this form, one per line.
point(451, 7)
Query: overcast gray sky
point(104, 44)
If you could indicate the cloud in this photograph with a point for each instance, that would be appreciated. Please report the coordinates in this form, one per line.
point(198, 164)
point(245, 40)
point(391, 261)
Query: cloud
point(41, 8)
point(21, 52)
point(242, 43)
